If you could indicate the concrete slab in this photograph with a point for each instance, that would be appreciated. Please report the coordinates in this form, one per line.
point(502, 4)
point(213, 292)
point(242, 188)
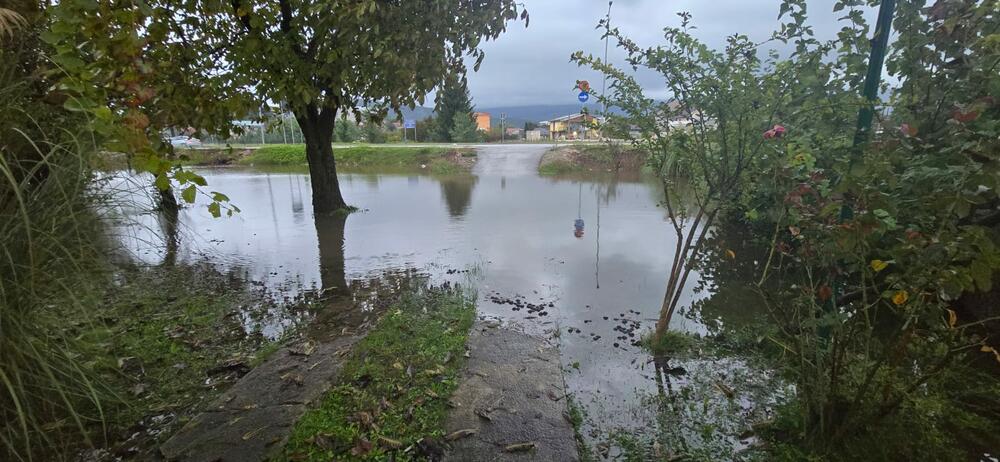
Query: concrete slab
point(512, 393)
point(253, 419)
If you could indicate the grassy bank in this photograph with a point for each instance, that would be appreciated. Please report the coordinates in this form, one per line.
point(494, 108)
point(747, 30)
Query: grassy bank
point(567, 160)
point(390, 403)
point(209, 157)
point(167, 341)
point(441, 160)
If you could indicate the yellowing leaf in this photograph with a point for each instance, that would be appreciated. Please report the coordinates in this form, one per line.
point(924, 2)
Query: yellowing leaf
point(900, 297)
point(952, 318)
point(879, 265)
point(730, 254)
point(989, 349)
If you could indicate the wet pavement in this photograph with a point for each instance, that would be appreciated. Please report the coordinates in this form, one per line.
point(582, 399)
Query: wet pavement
point(513, 397)
point(252, 420)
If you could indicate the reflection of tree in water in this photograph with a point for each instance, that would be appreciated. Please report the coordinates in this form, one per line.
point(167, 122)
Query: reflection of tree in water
point(729, 268)
point(607, 189)
point(349, 306)
point(330, 236)
point(295, 190)
point(457, 191)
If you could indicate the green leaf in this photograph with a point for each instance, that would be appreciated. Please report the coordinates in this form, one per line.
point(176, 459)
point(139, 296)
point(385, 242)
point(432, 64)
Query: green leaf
point(982, 274)
point(78, 104)
point(198, 179)
point(162, 182)
point(189, 194)
point(215, 209)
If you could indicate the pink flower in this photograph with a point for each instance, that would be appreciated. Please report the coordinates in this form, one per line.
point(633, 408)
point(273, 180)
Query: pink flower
point(776, 132)
point(907, 131)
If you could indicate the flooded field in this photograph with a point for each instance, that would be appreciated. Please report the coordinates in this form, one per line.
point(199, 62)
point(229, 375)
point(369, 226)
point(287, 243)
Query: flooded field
point(582, 262)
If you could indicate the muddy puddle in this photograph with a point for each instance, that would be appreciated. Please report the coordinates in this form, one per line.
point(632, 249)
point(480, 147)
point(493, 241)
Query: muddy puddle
point(580, 261)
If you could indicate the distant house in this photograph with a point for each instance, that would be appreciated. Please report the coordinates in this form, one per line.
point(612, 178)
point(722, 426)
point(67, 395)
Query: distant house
point(513, 132)
point(482, 121)
point(533, 135)
point(543, 127)
point(577, 126)
point(681, 118)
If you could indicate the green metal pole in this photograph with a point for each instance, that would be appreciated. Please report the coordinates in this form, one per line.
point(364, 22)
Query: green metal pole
point(880, 41)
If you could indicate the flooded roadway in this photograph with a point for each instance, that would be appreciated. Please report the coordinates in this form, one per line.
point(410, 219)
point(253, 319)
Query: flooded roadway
point(586, 257)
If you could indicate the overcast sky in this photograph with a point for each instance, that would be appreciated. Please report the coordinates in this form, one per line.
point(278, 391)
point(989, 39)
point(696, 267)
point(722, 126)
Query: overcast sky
point(528, 66)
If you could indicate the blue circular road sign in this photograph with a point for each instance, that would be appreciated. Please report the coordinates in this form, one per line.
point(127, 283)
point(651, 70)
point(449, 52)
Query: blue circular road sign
point(583, 96)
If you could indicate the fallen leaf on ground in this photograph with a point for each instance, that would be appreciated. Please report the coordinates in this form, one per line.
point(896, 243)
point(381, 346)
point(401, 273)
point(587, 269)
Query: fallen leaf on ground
point(362, 447)
point(364, 418)
point(252, 433)
point(436, 371)
point(321, 441)
point(390, 443)
point(458, 434)
point(519, 447)
point(305, 349)
point(729, 392)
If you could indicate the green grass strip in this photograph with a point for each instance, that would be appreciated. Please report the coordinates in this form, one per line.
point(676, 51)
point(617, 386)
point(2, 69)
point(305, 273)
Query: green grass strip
point(393, 389)
point(434, 158)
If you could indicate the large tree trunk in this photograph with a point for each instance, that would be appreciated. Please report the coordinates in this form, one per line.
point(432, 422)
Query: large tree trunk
point(317, 129)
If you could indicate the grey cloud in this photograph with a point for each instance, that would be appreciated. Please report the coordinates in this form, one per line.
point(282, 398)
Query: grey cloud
point(527, 66)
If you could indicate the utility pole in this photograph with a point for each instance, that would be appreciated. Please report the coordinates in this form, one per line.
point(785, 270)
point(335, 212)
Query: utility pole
point(503, 118)
point(607, 29)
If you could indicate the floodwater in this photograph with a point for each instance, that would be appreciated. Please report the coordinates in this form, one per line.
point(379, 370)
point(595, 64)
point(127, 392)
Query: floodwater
point(587, 257)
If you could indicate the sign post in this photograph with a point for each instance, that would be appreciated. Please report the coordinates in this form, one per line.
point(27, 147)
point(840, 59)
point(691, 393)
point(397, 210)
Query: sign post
point(407, 124)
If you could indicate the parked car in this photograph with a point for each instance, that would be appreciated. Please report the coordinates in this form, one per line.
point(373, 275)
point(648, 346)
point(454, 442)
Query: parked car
point(183, 141)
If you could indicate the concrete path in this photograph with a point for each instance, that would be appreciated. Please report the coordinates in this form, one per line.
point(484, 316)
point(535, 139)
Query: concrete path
point(513, 395)
point(509, 159)
point(252, 420)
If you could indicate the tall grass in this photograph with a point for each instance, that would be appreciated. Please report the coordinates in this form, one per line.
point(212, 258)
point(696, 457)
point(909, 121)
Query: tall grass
point(50, 254)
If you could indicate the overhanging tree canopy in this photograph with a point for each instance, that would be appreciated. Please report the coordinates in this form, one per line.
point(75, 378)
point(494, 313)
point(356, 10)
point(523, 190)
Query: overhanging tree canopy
point(323, 57)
